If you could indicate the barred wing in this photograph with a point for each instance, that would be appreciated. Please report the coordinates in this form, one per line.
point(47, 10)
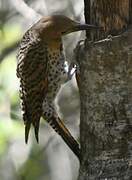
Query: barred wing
point(32, 72)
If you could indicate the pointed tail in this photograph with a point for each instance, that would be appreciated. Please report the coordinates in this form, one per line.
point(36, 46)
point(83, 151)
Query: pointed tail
point(61, 129)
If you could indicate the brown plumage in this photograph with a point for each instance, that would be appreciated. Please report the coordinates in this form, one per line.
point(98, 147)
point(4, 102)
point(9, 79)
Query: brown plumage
point(41, 72)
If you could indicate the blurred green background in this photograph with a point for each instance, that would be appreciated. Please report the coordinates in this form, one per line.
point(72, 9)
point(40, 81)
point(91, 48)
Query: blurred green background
point(51, 159)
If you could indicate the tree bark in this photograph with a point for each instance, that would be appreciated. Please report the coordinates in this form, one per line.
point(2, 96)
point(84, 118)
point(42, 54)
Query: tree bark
point(105, 86)
point(113, 15)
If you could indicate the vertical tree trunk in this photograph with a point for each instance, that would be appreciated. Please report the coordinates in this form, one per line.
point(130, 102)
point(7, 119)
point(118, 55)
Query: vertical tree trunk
point(106, 94)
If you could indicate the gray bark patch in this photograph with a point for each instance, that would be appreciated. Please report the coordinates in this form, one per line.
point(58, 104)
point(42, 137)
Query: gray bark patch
point(105, 86)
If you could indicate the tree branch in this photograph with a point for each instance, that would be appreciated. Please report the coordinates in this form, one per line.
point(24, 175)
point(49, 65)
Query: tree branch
point(25, 10)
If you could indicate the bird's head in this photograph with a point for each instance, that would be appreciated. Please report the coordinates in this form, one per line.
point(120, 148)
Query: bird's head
point(52, 28)
point(58, 25)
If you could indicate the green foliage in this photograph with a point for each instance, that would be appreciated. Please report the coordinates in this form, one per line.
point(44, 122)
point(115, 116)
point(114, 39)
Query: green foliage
point(9, 101)
point(8, 35)
point(11, 124)
point(9, 130)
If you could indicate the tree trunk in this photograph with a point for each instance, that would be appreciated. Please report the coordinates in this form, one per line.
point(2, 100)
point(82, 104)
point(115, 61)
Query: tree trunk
point(105, 86)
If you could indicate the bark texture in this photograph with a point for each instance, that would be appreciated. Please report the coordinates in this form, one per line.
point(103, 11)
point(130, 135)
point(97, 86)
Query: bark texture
point(106, 108)
point(113, 15)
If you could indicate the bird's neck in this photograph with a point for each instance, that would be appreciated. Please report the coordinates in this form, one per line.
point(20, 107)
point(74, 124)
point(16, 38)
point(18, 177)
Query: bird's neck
point(53, 41)
point(54, 45)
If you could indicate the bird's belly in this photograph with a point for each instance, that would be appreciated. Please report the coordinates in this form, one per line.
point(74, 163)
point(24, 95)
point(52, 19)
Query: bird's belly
point(57, 76)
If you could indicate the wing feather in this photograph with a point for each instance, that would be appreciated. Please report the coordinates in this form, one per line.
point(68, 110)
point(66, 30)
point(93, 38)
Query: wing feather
point(32, 70)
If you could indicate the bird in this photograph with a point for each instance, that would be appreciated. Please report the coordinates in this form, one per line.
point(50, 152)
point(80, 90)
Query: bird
point(41, 71)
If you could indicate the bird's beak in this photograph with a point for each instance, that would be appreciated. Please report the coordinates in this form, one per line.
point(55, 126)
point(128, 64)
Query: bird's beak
point(81, 27)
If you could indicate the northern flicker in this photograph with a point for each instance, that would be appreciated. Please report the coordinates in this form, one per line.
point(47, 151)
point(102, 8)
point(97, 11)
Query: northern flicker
point(41, 69)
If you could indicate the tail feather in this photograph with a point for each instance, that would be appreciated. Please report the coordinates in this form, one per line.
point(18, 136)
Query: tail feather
point(36, 132)
point(61, 129)
point(33, 120)
point(27, 129)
